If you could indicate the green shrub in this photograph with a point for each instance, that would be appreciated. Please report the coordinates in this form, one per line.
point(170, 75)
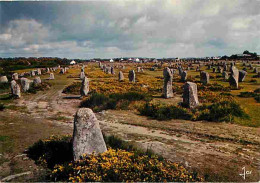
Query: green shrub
point(221, 111)
point(257, 98)
point(100, 102)
point(162, 112)
point(40, 87)
point(72, 89)
point(4, 87)
point(257, 90)
point(246, 94)
point(2, 107)
point(56, 150)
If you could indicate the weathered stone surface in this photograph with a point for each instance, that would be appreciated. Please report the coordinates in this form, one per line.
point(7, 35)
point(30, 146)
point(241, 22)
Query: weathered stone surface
point(233, 79)
point(62, 71)
point(25, 84)
point(39, 72)
point(87, 135)
point(242, 75)
point(131, 76)
point(37, 80)
point(213, 69)
point(84, 87)
point(108, 70)
point(138, 69)
point(48, 70)
point(190, 95)
point(82, 75)
point(184, 76)
point(15, 76)
point(83, 68)
point(3, 79)
point(112, 70)
point(180, 70)
point(32, 73)
point(204, 77)
point(167, 87)
point(225, 75)
point(121, 76)
point(51, 76)
point(15, 89)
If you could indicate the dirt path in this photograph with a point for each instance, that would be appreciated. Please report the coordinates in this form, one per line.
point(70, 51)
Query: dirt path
point(217, 150)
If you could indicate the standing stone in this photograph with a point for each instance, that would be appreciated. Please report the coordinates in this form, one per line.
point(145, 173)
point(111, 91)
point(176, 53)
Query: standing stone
point(62, 71)
point(180, 70)
point(167, 86)
point(184, 76)
point(15, 89)
point(39, 72)
point(25, 84)
point(3, 79)
point(48, 70)
point(84, 87)
point(242, 76)
point(108, 70)
point(204, 77)
point(214, 69)
point(225, 68)
point(100, 64)
point(82, 75)
point(255, 70)
point(233, 79)
point(120, 76)
point(87, 135)
point(15, 76)
point(225, 75)
point(190, 95)
point(37, 80)
point(83, 69)
point(131, 76)
point(112, 70)
point(32, 73)
point(51, 76)
point(138, 69)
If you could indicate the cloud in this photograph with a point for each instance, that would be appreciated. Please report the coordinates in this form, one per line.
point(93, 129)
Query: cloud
point(168, 28)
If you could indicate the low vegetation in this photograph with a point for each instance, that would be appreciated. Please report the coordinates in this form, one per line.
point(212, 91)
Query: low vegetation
point(39, 87)
point(100, 102)
point(121, 163)
point(255, 95)
point(218, 112)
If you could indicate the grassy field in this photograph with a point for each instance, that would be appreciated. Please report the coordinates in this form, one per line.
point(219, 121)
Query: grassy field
point(48, 112)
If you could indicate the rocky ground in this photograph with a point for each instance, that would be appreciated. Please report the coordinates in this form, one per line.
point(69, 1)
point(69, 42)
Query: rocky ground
point(215, 150)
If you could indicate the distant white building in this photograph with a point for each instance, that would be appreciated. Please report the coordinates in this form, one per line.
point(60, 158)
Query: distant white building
point(72, 62)
point(137, 60)
point(111, 60)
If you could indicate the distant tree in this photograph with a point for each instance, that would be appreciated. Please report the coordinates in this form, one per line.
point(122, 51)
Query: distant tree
point(246, 52)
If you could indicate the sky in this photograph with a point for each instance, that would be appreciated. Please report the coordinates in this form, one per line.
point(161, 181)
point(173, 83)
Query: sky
point(133, 28)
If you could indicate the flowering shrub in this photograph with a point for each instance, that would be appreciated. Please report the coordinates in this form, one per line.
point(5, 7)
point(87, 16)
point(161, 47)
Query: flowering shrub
point(122, 162)
point(120, 165)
